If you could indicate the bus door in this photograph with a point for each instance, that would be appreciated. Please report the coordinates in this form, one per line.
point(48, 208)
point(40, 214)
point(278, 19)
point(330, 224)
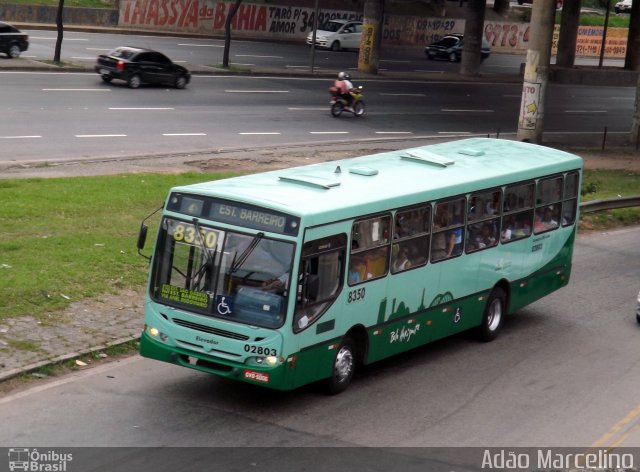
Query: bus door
point(317, 315)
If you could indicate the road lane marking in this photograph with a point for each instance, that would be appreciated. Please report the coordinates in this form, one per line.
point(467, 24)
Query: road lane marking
point(260, 133)
point(455, 110)
point(75, 90)
point(53, 39)
point(141, 108)
point(256, 91)
point(619, 431)
point(404, 94)
point(328, 132)
point(184, 134)
point(253, 55)
point(585, 111)
point(454, 132)
point(201, 45)
point(394, 132)
point(19, 137)
point(100, 135)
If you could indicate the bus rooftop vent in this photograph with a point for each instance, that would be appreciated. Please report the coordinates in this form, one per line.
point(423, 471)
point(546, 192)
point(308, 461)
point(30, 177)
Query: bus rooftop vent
point(367, 171)
point(420, 155)
point(311, 180)
point(471, 152)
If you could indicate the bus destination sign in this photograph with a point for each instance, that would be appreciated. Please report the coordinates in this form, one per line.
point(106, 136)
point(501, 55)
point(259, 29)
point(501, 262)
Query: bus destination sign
point(234, 213)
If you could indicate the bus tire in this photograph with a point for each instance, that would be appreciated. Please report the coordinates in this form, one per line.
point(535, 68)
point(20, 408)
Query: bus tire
point(495, 312)
point(344, 365)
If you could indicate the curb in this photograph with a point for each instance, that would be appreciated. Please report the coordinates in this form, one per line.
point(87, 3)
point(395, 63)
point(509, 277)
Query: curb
point(4, 376)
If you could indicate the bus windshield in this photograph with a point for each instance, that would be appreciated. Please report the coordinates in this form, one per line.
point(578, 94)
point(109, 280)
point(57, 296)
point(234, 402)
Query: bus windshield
point(225, 274)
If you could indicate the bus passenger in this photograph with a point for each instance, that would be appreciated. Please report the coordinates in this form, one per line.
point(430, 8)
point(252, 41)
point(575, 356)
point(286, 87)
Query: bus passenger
point(402, 261)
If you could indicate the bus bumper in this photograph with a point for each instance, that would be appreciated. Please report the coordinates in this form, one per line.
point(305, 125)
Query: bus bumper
point(279, 377)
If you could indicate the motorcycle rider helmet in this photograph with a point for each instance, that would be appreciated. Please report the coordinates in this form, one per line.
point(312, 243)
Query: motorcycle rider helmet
point(343, 76)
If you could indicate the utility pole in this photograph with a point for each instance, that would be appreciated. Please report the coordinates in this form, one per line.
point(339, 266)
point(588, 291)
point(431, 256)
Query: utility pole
point(371, 36)
point(536, 72)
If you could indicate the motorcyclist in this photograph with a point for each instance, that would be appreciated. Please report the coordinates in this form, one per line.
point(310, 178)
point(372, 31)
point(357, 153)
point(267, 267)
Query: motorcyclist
point(344, 86)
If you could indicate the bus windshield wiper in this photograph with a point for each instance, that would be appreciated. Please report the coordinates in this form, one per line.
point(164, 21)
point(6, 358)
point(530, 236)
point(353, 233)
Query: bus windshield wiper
point(209, 255)
point(237, 263)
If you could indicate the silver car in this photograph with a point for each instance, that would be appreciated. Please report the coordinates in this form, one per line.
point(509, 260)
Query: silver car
point(337, 35)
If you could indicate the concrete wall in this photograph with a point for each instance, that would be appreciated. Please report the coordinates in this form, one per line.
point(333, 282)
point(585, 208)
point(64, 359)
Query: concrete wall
point(47, 15)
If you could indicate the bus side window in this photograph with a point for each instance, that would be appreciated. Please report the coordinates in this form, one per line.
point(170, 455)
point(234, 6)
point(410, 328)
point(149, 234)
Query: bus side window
point(517, 219)
point(370, 247)
point(319, 278)
point(570, 204)
point(411, 238)
point(548, 203)
point(448, 229)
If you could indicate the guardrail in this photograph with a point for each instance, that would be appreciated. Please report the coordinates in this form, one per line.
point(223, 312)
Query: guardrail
point(609, 204)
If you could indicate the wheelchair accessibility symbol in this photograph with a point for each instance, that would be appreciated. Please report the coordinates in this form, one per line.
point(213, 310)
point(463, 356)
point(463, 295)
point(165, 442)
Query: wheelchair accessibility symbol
point(224, 305)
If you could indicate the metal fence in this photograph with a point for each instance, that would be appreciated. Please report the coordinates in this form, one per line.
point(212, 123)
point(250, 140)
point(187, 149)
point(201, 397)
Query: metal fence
point(609, 204)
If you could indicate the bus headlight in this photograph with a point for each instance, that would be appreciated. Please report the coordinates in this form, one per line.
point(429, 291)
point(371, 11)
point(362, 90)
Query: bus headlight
point(271, 360)
point(154, 332)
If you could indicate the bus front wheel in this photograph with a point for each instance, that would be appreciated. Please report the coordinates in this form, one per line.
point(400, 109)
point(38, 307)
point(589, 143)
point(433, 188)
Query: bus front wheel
point(494, 314)
point(344, 365)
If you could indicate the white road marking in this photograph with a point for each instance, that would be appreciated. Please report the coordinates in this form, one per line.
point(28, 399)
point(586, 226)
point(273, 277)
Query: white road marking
point(454, 132)
point(253, 55)
point(260, 133)
point(75, 90)
point(240, 64)
point(53, 39)
point(394, 132)
point(100, 135)
point(184, 134)
point(256, 91)
point(328, 132)
point(201, 45)
point(585, 111)
point(453, 110)
point(404, 94)
point(140, 108)
point(19, 137)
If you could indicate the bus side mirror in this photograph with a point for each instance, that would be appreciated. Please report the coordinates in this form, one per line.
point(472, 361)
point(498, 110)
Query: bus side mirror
point(142, 239)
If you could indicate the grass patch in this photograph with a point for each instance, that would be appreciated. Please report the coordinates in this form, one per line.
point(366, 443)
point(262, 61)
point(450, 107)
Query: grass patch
point(74, 238)
point(604, 184)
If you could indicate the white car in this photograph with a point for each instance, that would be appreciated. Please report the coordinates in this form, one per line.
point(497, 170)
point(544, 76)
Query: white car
point(337, 35)
point(623, 7)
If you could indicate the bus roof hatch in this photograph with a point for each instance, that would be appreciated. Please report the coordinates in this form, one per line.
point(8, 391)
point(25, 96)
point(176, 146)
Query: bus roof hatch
point(427, 157)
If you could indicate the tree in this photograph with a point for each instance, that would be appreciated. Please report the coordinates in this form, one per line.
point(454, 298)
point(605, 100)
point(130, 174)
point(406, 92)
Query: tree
point(227, 33)
point(60, 28)
point(473, 29)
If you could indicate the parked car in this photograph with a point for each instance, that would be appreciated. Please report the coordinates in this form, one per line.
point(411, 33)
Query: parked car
point(624, 6)
point(450, 47)
point(12, 40)
point(337, 35)
point(138, 65)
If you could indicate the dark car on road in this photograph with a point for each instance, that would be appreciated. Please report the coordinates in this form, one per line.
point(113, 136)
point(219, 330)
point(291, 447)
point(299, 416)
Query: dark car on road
point(450, 47)
point(138, 65)
point(12, 40)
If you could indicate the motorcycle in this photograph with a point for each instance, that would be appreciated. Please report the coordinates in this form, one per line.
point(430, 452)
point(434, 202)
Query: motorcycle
point(339, 104)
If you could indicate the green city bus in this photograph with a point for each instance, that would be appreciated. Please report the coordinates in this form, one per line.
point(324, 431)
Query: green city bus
point(294, 276)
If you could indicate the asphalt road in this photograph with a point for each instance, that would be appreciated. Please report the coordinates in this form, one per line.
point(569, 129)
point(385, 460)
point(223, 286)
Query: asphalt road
point(49, 116)
point(565, 372)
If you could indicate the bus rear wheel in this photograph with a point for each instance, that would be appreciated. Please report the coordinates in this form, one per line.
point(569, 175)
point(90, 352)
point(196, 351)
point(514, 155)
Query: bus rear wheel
point(344, 366)
point(494, 314)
